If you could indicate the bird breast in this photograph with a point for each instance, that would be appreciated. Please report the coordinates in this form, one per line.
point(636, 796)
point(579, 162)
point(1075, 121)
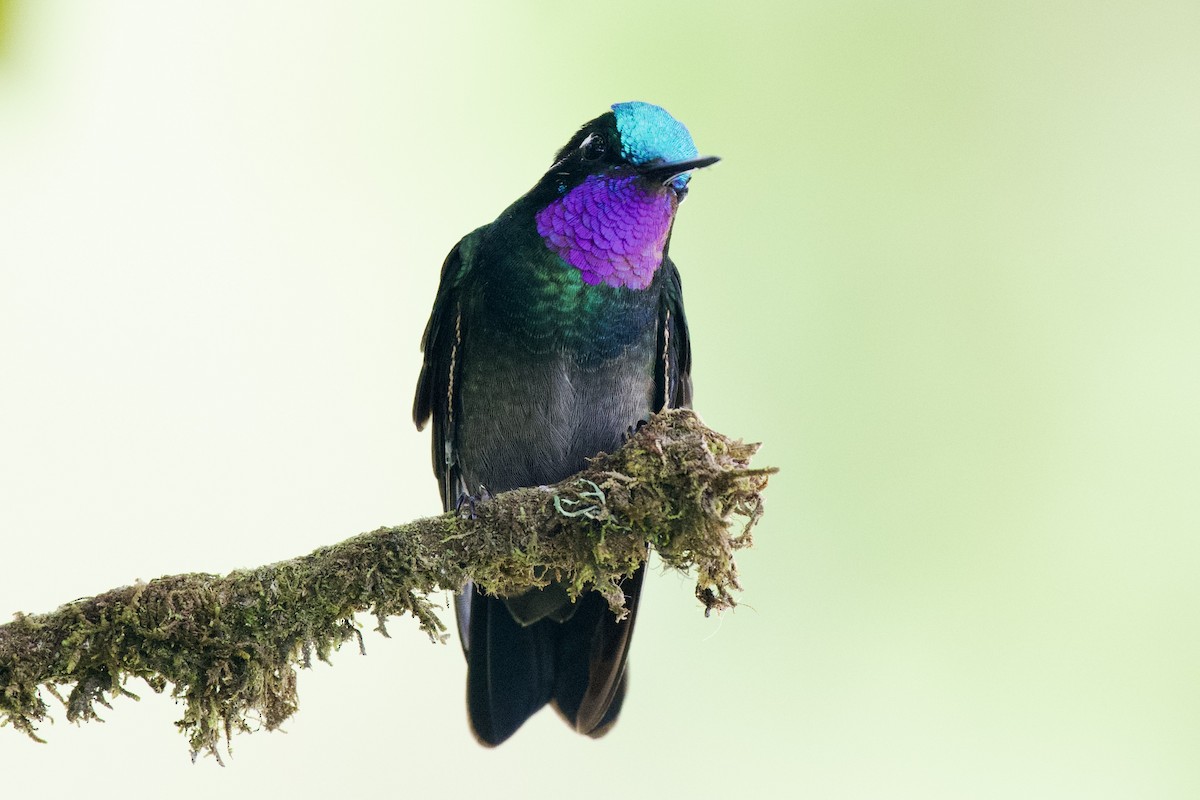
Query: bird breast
point(535, 421)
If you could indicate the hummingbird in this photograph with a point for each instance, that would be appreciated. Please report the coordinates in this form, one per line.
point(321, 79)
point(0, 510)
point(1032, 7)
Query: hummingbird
point(556, 330)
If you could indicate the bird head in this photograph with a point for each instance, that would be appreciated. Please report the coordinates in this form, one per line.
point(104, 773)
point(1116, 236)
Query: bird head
point(635, 138)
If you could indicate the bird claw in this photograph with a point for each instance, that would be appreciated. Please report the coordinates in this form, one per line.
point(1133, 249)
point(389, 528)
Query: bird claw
point(469, 501)
point(633, 429)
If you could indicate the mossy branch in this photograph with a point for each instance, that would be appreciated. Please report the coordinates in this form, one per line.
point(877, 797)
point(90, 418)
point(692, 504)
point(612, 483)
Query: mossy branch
point(228, 646)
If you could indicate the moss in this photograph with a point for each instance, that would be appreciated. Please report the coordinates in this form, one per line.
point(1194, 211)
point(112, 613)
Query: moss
point(228, 646)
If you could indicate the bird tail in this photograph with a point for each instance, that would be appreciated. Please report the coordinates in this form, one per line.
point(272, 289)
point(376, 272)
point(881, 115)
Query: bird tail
point(513, 670)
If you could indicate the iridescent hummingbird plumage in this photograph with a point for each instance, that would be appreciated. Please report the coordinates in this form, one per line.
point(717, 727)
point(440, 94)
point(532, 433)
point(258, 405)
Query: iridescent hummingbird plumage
point(555, 330)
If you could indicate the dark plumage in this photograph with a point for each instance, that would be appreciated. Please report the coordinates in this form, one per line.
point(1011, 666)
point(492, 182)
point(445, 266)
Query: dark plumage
point(555, 330)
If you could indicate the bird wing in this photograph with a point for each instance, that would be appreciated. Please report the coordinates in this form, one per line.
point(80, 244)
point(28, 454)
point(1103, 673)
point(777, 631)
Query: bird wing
point(673, 368)
point(438, 385)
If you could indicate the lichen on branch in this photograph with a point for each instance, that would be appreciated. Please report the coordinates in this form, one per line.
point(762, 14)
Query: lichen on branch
point(229, 646)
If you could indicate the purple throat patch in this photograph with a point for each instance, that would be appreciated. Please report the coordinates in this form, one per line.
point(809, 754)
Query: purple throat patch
point(611, 229)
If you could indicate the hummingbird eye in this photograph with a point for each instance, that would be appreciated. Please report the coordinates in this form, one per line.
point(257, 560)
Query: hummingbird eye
point(593, 147)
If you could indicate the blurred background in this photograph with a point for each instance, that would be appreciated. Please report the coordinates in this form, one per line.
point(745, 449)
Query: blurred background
point(946, 272)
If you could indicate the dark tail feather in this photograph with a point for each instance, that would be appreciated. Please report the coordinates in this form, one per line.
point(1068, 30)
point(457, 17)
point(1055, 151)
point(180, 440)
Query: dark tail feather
point(514, 670)
point(590, 682)
point(510, 669)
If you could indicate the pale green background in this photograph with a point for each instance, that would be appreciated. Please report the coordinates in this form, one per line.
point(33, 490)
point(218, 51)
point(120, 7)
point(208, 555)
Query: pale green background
point(946, 271)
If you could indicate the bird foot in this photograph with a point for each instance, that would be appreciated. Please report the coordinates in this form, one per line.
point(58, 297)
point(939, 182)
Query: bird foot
point(632, 429)
point(465, 505)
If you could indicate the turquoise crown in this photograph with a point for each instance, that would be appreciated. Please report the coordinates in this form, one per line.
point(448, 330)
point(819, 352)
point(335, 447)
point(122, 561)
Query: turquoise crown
point(648, 133)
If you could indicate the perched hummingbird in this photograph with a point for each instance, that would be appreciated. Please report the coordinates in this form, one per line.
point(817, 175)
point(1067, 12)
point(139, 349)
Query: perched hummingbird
point(555, 330)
